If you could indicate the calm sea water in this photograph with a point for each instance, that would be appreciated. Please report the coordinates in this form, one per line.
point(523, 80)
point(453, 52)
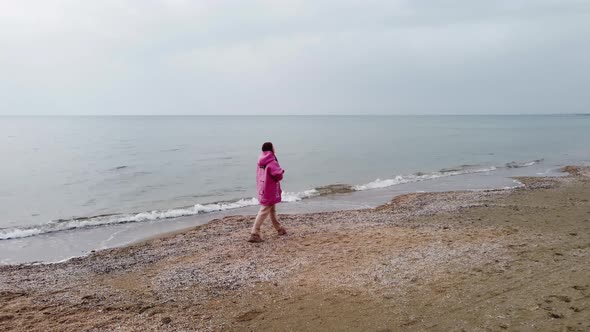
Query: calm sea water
point(67, 174)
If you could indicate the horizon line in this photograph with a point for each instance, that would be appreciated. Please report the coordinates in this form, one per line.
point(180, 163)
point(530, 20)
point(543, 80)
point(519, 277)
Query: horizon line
point(277, 115)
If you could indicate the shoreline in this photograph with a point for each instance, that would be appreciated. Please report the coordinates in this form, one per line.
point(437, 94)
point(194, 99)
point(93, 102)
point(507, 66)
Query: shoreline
point(397, 266)
point(62, 245)
point(187, 211)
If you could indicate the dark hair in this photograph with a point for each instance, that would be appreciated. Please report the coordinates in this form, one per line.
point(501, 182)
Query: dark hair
point(267, 147)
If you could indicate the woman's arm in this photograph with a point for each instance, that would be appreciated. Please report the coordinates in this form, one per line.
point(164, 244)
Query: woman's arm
point(276, 171)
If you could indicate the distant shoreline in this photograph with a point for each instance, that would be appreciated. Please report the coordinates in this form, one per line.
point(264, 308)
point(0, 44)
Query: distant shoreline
point(282, 115)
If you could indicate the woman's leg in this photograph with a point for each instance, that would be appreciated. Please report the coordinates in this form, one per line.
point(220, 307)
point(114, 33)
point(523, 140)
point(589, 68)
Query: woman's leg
point(262, 214)
point(273, 217)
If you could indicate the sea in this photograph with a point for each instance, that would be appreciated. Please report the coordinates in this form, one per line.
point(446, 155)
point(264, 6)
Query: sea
point(71, 185)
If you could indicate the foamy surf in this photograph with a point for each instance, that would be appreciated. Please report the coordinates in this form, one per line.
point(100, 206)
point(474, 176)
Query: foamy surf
point(402, 179)
point(77, 223)
point(515, 164)
point(87, 222)
point(295, 197)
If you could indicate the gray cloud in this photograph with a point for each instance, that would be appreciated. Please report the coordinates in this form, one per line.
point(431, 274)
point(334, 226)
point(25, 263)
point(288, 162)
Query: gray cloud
point(294, 57)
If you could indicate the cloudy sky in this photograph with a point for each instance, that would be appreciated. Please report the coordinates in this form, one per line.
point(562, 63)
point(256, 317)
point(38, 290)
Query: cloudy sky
point(294, 57)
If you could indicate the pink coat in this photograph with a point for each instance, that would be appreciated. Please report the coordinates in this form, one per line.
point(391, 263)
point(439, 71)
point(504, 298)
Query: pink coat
point(268, 177)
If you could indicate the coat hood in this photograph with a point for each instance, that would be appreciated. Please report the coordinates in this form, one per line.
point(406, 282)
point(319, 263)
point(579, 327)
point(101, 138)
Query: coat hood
point(265, 158)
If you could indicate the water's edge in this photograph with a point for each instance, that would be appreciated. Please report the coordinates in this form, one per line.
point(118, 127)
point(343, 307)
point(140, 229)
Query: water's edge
point(74, 223)
point(55, 250)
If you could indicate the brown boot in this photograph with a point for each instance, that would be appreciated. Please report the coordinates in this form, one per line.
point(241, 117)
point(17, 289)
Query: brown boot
point(282, 231)
point(255, 238)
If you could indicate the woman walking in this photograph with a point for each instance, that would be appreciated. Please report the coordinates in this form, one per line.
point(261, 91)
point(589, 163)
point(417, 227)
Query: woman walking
point(268, 177)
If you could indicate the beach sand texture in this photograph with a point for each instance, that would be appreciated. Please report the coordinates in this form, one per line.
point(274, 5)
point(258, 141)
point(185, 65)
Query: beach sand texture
point(489, 260)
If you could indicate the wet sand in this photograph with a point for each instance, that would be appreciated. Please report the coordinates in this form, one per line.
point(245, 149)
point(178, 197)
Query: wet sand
point(491, 260)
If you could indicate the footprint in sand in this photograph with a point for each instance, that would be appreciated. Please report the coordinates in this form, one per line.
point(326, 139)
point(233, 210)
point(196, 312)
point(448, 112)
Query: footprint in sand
point(562, 298)
point(248, 316)
point(555, 315)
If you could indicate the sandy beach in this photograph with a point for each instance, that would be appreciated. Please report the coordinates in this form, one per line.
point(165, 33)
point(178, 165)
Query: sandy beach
point(496, 260)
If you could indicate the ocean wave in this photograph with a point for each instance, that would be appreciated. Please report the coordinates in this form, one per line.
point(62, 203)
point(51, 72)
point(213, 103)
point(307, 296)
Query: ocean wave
point(114, 219)
point(516, 164)
point(453, 171)
point(78, 223)
point(417, 177)
point(295, 197)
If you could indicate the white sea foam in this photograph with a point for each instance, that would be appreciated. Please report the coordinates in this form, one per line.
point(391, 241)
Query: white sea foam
point(517, 184)
point(295, 197)
point(401, 179)
point(14, 233)
point(515, 164)
point(63, 225)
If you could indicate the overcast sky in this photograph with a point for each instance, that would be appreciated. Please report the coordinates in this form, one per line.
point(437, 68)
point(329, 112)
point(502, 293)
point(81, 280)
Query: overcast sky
point(294, 57)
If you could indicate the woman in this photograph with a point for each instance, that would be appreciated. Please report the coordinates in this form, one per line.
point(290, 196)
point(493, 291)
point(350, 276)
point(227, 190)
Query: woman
point(268, 177)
